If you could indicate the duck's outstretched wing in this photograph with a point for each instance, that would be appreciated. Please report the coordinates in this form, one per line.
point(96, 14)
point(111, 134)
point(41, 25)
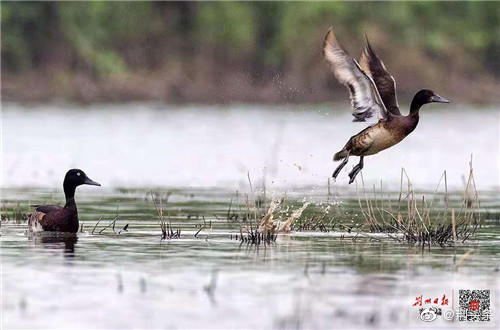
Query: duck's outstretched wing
point(386, 85)
point(365, 99)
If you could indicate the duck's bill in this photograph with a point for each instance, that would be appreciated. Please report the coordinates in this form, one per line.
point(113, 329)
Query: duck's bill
point(91, 182)
point(439, 99)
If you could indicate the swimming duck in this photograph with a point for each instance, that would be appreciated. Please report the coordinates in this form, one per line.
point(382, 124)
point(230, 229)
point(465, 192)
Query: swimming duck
point(56, 218)
point(373, 96)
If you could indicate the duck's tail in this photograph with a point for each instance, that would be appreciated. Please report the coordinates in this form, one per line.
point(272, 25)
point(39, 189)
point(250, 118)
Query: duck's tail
point(340, 155)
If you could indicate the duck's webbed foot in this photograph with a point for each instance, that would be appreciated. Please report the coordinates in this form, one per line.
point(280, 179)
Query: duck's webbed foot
point(340, 167)
point(356, 170)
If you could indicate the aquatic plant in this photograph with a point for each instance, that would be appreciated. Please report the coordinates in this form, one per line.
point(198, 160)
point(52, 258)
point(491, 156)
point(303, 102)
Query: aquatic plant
point(167, 230)
point(420, 221)
point(111, 224)
point(17, 213)
point(255, 237)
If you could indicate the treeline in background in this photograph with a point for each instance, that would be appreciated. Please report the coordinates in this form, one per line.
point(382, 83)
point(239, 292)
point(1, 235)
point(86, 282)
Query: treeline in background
point(211, 52)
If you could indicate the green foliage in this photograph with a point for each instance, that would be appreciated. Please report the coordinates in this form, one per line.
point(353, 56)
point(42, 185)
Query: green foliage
point(93, 35)
point(226, 23)
point(22, 24)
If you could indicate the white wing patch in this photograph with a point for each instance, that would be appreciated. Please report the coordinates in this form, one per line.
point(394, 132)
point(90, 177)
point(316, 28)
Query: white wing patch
point(365, 99)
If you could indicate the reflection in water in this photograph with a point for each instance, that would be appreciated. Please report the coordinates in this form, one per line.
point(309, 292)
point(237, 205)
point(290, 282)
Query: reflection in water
point(54, 240)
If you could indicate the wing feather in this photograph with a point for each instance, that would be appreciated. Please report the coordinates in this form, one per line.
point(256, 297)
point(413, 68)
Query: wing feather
point(47, 208)
point(385, 83)
point(365, 99)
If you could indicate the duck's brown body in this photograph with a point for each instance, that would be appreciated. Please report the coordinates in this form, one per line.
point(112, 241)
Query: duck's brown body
point(379, 137)
point(54, 218)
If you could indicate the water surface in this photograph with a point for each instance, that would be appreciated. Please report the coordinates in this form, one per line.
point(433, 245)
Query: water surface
point(306, 279)
point(201, 146)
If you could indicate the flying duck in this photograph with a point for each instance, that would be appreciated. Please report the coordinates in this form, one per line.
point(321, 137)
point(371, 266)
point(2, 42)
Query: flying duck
point(373, 96)
point(56, 218)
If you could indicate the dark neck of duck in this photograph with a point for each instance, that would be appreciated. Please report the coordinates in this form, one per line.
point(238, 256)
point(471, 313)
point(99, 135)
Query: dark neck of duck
point(413, 117)
point(69, 192)
point(415, 106)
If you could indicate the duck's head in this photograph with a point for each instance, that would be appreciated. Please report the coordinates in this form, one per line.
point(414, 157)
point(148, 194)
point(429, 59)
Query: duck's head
point(76, 177)
point(425, 96)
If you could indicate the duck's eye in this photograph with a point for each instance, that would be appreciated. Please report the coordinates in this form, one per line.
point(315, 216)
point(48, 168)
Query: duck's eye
point(78, 173)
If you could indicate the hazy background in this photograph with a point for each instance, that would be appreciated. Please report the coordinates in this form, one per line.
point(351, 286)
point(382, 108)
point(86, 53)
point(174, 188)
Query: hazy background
point(219, 52)
point(203, 93)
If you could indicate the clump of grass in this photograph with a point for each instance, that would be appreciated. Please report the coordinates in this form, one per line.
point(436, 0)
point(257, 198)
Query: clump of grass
point(420, 221)
point(17, 213)
point(255, 237)
point(167, 230)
